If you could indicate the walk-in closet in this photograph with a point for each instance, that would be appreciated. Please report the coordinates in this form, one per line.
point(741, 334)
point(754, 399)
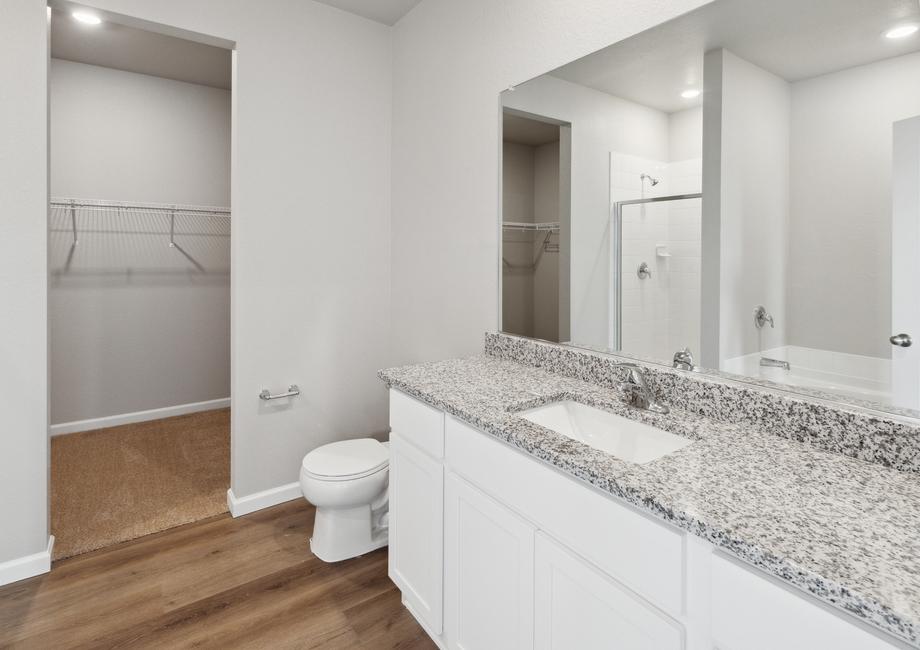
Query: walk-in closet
point(139, 281)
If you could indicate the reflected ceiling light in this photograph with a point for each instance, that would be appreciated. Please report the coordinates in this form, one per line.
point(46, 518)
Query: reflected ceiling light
point(86, 17)
point(902, 31)
point(690, 93)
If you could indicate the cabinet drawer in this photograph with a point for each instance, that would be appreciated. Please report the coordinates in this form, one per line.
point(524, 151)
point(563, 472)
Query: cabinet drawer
point(645, 555)
point(417, 423)
point(751, 612)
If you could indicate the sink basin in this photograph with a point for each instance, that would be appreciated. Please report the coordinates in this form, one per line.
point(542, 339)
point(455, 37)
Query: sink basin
point(621, 437)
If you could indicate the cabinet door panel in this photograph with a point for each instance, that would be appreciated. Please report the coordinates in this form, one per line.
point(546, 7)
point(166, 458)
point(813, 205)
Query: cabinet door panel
point(577, 606)
point(489, 567)
point(752, 612)
point(417, 530)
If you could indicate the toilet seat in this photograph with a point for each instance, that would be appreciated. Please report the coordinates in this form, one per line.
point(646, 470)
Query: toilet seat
point(346, 460)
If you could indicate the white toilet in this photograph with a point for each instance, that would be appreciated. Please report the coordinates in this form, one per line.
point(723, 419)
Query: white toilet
point(347, 482)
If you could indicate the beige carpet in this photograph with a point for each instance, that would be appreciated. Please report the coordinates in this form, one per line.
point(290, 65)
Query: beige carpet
point(112, 485)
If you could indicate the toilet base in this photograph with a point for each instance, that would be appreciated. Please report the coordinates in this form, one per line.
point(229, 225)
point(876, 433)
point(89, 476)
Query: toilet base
point(343, 533)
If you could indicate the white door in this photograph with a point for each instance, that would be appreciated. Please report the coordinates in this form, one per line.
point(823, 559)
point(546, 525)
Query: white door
point(417, 530)
point(489, 572)
point(578, 606)
point(905, 264)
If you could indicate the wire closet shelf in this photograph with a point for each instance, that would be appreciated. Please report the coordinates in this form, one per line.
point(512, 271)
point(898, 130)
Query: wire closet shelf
point(195, 225)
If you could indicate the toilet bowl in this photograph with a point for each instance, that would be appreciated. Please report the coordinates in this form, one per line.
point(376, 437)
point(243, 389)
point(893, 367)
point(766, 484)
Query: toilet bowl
point(347, 482)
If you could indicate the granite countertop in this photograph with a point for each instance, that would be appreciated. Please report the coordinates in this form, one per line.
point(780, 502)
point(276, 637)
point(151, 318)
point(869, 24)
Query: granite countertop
point(845, 530)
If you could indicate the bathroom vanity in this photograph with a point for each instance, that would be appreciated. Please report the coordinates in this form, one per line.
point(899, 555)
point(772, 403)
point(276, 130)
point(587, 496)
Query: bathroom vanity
point(506, 533)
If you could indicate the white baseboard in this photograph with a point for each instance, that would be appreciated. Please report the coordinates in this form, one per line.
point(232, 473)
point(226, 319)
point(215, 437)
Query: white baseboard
point(266, 499)
point(28, 566)
point(139, 416)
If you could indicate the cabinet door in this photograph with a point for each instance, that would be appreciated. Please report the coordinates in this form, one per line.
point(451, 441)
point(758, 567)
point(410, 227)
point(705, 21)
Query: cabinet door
point(578, 606)
point(753, 612)
point(416, 560)
point(489, 572)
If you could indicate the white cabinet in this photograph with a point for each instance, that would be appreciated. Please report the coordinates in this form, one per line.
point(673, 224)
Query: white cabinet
point(753, 612)
point(495, 550)
point(577, 606)
point(416, 530)
point(489, 572)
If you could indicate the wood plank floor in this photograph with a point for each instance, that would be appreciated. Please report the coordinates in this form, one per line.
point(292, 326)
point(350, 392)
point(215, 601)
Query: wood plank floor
point(249, 582)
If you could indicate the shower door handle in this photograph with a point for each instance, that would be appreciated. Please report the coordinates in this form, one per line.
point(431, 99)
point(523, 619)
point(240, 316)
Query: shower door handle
point(901, 340)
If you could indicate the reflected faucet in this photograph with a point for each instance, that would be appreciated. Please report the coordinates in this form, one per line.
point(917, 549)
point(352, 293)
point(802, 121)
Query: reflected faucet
point(643, 394)
point(683, 359)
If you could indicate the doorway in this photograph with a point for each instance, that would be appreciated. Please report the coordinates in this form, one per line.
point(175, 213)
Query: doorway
point(139, 280)
point(535, 226)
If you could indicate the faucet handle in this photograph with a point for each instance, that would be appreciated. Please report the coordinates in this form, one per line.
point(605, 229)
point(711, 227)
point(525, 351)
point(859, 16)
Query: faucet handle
point(762, 317)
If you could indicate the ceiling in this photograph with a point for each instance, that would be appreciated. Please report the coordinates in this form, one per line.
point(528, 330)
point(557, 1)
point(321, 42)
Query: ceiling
point(793, 39)
point(522, 130)
point(135, 50)
point(387, 12)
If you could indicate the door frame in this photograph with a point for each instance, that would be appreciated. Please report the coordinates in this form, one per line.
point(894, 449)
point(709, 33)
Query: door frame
point(905, 260)
point(178, 32)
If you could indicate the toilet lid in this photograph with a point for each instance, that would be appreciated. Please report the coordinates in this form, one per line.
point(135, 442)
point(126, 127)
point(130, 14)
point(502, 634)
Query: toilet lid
point(347, 459)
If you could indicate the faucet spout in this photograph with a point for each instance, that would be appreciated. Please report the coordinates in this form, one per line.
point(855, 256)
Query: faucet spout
point(644, 397)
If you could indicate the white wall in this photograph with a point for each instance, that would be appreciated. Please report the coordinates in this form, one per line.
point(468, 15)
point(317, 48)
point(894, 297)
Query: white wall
point(160, 336)
point(754, 196)
point(133, 137)
point(23, 279)
point(685, 134)
point(840, 204)
point(601, 124)
point(451, 60)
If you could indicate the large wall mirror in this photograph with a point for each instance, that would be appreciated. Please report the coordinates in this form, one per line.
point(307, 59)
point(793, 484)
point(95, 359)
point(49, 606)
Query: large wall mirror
point(742, 183)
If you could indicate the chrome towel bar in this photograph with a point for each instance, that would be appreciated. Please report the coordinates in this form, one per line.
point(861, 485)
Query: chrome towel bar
point(292, 391)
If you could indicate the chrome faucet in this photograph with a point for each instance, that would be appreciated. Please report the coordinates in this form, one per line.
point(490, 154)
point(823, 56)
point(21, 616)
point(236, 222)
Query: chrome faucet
point(644, 398)
point(683, 359)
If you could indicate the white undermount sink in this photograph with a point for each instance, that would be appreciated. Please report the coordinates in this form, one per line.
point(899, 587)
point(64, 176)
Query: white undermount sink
point(621, 437)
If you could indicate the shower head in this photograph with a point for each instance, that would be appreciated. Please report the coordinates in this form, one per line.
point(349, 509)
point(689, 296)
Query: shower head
point(654, 181)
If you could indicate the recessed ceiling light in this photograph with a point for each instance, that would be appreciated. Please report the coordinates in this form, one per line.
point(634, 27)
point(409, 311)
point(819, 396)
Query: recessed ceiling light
point(902, 31)
point(690, 93)
point(86, 17)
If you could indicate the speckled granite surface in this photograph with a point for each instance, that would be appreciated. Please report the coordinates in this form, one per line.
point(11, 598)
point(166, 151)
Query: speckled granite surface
point(889, 441)
point(845, 530)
